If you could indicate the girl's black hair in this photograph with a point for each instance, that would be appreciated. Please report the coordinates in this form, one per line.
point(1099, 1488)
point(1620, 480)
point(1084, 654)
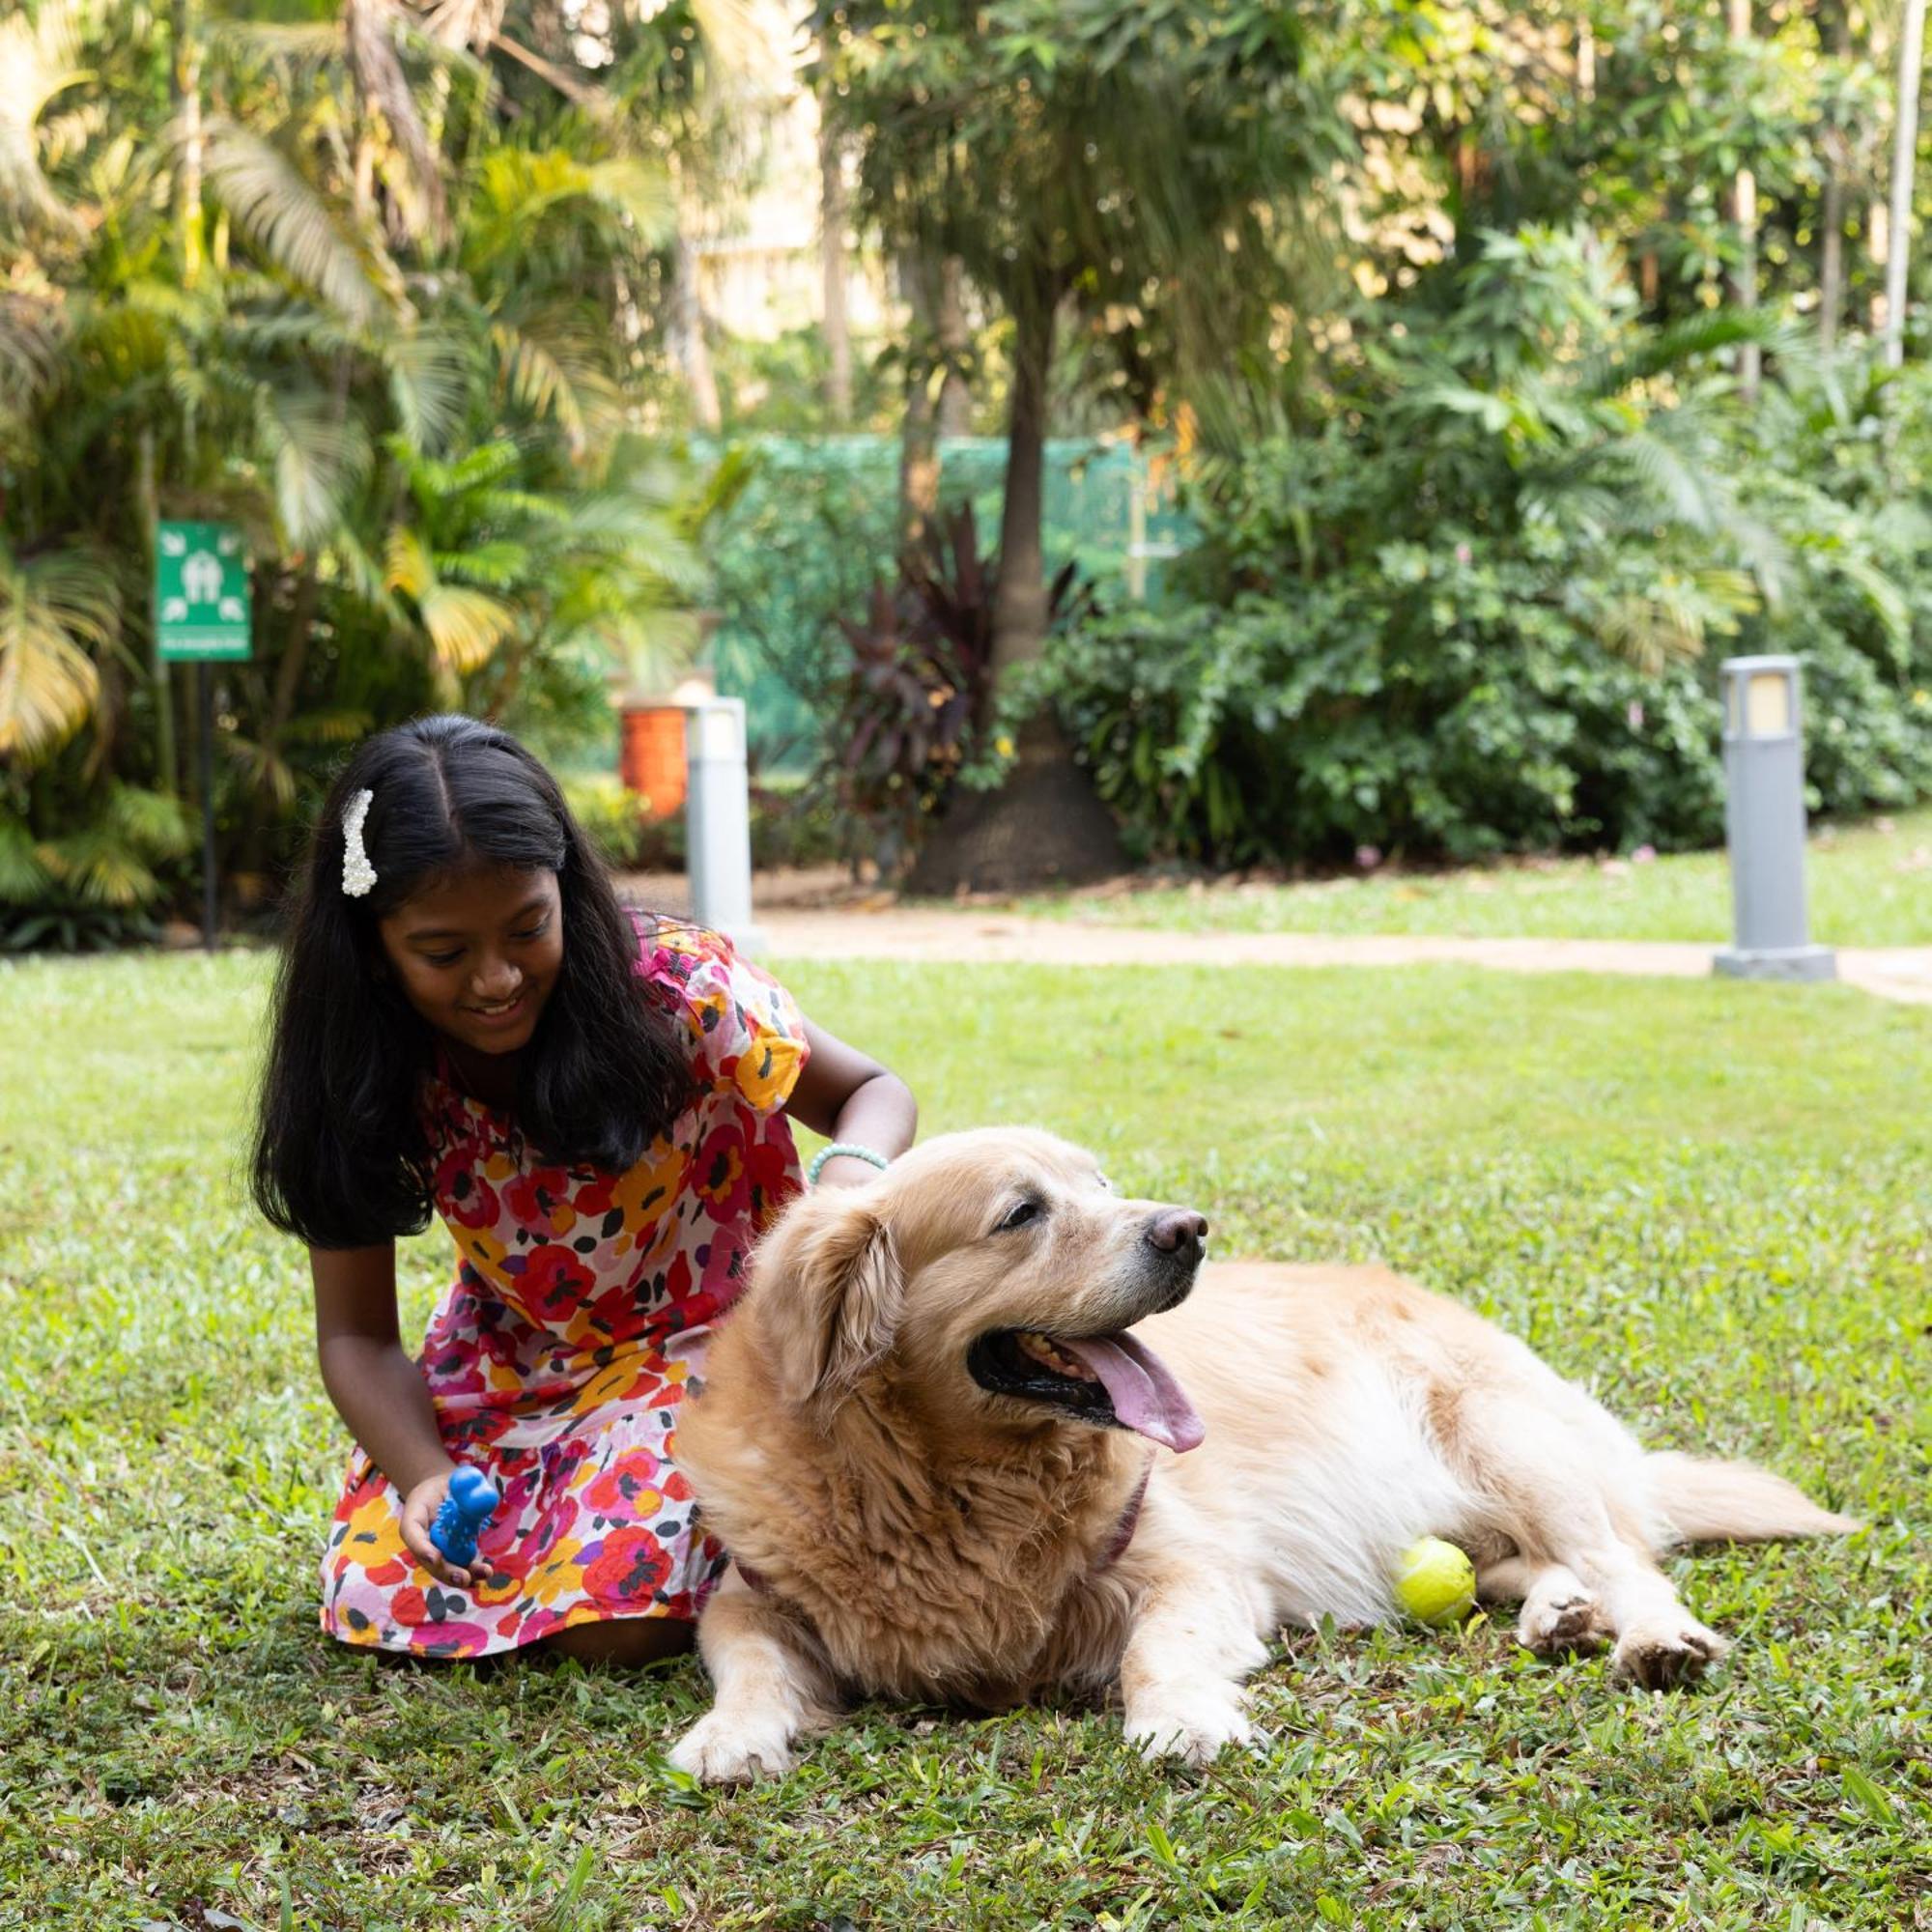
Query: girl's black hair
point(340, 1154)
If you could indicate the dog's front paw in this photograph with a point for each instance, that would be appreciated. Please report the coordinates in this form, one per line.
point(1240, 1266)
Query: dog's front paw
point(1663, 1655)
point(721, 1749)
point(1191, 1725)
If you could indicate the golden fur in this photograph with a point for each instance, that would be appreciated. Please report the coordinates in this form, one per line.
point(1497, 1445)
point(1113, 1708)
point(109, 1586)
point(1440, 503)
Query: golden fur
point(907, 1531)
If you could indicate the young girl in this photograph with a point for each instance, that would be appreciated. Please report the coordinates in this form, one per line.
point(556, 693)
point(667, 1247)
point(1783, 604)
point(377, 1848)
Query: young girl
point(595, 1103)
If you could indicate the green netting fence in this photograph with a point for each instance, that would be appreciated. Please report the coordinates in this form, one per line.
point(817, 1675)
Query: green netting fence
point(815, 527)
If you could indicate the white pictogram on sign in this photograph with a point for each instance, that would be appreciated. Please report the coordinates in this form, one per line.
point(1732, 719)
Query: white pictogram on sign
point(201, 577)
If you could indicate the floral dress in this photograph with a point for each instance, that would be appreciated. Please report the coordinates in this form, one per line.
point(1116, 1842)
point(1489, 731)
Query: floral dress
point(576, 1321)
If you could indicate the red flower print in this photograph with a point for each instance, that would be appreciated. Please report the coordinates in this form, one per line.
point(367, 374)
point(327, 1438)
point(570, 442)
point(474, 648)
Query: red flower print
point(534, 1198)
point(620, 1485)
point(408, 1607)
point(627, 1568)
point(553, 1526)
point(554, 1279)
point(614, 1313)
point(596, 1196)
point(449, 1639)
point(462, 1194)
point(677, 1278)
point(769, 1169)
point(719, 1173)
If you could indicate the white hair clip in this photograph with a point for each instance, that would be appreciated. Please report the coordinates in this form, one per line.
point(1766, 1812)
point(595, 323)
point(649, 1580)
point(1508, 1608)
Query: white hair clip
point(357, 874)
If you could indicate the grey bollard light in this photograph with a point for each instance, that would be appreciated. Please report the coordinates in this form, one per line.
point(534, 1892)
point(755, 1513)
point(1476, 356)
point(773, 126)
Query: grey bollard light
point(718, 820)
point(1764, 824)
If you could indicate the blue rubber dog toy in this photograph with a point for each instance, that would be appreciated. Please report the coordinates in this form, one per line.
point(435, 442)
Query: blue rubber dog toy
point(467, 1508)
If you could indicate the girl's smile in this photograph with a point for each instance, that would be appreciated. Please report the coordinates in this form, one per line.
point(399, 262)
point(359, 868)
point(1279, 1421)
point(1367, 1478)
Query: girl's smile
point(478, 955)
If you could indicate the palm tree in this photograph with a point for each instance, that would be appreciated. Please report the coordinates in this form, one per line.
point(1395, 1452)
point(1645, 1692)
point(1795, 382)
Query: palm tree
point(1108, 160)
point(376, 277)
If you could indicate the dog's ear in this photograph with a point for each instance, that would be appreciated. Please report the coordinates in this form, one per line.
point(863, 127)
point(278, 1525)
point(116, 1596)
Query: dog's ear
point(830, 1289)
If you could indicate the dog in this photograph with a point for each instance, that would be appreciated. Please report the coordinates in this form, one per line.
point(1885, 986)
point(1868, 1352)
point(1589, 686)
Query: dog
point(983, 1430)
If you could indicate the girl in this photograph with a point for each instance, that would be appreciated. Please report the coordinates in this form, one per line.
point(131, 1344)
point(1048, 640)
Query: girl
point(467, 1022)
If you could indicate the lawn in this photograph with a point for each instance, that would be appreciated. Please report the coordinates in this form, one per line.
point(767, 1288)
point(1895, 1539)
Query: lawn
point(1707, 1199)
point(1871, 885)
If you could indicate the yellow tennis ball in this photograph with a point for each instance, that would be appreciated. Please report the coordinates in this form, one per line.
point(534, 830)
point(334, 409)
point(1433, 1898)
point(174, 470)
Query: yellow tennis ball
point(1436, 1583)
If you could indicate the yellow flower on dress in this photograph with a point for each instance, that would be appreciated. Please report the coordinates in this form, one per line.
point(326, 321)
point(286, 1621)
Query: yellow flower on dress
point(768, 1071)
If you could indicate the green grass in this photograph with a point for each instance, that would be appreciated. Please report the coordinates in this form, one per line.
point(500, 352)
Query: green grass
point(1868, 887)
point(1709, 1201)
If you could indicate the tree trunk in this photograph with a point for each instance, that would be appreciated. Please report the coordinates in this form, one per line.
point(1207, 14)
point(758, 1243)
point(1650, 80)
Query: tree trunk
point(956, 396)
point(832, 266)
point(184, 85)
point(1744, 213)
point(693, 351)
point(1019, 598)
point(918, 448)
point(166, 772)
point(1904, 166)
point(1045, 826)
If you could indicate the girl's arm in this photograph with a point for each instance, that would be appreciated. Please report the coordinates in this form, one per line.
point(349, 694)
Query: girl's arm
point(845, 1096)
point(378, 1392)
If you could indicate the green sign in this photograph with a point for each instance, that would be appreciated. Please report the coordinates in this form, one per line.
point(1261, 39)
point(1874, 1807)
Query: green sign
point(201, 591)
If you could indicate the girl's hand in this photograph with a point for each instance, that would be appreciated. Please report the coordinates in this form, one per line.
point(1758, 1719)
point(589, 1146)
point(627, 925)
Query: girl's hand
point(418, 1513)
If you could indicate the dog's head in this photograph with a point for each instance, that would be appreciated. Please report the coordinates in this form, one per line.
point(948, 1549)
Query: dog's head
point(994, 1276)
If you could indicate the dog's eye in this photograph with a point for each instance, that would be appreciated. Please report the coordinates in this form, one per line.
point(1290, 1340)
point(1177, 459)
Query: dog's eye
point(1026, 1210)
point(1104, 1183)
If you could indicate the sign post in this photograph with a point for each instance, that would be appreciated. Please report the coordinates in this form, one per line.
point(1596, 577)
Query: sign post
point(202, 614)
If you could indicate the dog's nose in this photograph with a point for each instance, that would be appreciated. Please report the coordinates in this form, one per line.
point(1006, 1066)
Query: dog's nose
point(1175, 1228)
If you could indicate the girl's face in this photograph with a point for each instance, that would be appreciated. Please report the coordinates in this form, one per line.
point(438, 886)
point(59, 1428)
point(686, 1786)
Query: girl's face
point(478, 955)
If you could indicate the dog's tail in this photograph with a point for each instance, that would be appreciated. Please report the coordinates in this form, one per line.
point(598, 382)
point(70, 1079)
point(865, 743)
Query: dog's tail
point(1734, 1502)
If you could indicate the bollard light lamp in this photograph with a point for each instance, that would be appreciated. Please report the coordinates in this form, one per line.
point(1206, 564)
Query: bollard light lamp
point(1764, 824)
point(718, 819)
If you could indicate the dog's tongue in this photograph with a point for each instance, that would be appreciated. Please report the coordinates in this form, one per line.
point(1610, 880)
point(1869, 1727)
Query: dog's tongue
point(1145, 1397)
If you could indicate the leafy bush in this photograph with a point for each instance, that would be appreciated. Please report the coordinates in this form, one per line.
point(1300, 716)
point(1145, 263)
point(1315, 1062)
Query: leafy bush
point(1473, 607)
point(97, 883)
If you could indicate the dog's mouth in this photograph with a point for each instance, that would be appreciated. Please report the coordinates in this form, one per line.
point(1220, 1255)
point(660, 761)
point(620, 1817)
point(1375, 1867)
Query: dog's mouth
point(1115, 1382)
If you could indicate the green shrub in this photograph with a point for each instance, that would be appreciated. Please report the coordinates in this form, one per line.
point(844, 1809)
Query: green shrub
point(1476, 606)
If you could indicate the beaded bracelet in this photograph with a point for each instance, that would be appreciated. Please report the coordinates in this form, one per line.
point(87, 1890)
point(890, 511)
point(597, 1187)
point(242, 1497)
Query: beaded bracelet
point(838, 1148)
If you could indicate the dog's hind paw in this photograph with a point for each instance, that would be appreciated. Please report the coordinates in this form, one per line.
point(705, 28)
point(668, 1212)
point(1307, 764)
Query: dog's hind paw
point(1193, 1730)
point(1553, 1626)
point(719, 1750)
point(1664, 1656)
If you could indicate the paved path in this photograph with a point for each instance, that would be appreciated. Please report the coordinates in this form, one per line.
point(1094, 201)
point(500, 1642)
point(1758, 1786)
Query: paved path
point(892, 932)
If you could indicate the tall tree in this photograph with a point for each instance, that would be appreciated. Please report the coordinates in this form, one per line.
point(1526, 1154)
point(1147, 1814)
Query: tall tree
point(833, 265)
point(1099, 157)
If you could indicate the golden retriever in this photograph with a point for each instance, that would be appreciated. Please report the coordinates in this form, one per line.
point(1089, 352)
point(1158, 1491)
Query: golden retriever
point(984, 1428)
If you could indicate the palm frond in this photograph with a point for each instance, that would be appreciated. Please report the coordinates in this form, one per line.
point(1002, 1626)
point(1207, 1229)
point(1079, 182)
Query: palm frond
point(154, 822)
point(38, 60)
point(265, 772)
point(465, 625)
point(429, 384)
point(282, 213)
point(100, 868)
point(320, 452)
point(499, 565)
point(54, 612)
point(638, 191)
point(23, 871)
point(549, 376)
